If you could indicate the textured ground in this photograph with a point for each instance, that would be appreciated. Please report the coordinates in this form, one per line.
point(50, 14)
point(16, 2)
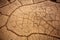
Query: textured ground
point(29, 20)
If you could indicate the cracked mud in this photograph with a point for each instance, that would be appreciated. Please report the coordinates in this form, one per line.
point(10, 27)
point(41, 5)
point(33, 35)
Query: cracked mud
point(29, 20)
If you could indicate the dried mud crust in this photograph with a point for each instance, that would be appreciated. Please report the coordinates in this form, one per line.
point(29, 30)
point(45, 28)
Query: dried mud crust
point(5, 2)
point(30, 20)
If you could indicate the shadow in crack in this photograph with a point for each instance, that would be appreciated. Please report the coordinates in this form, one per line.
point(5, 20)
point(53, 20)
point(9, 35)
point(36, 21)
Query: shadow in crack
point(56, 1)
point(53, 0)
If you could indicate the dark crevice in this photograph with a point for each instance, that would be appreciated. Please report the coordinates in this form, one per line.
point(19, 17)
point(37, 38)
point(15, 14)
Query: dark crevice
point(56, 1)
point(8, 0)
point(53, 0)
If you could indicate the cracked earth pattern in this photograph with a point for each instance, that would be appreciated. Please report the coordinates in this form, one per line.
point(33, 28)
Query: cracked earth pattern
point(29, 20)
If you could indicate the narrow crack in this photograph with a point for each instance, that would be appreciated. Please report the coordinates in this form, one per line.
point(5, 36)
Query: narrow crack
point(8, 18)
point(7, 4)
point(3, 14)
point(33, 33)
point(50, 24)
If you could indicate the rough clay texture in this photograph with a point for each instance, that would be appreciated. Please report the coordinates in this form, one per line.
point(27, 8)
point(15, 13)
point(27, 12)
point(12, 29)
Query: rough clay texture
point(29, 20)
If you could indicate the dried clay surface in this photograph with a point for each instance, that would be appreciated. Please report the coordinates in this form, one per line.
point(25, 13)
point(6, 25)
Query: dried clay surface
point(29, 20)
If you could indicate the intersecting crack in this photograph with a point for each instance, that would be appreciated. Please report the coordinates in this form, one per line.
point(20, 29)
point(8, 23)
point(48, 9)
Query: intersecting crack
point(5, 3)
point(22, 21)
point(30, 19)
